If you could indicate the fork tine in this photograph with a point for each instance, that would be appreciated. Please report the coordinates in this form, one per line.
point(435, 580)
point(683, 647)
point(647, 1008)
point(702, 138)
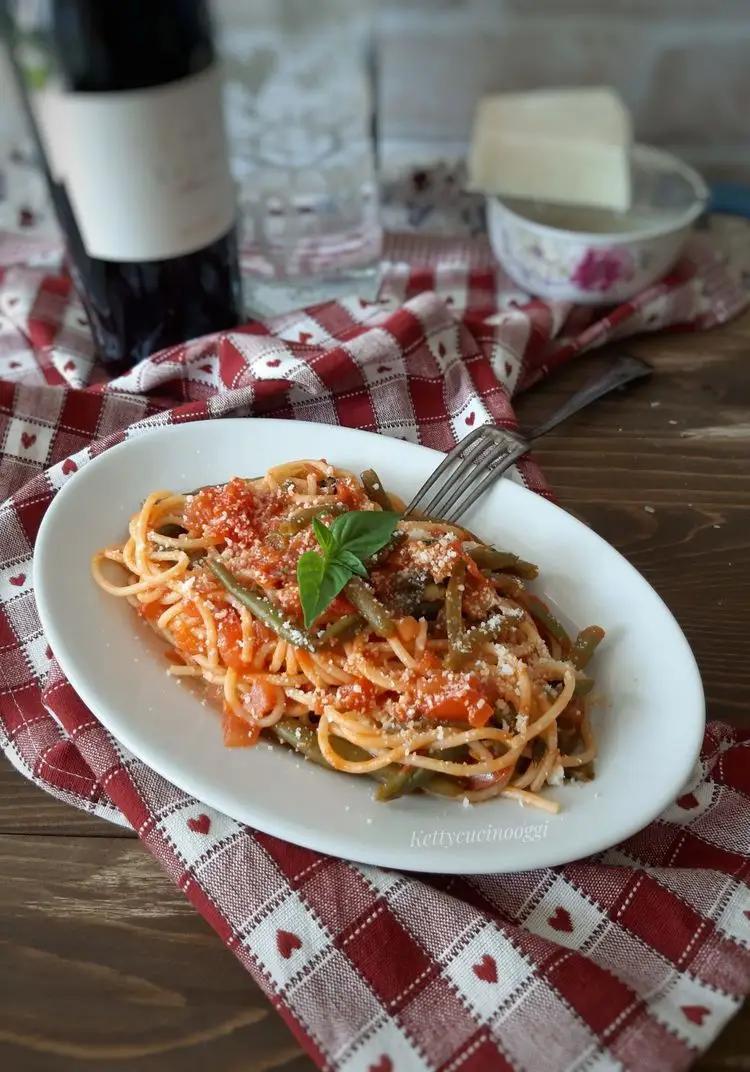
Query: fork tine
point(473, 458)
point(474, 489)
point(465, 477)
point(446, 464)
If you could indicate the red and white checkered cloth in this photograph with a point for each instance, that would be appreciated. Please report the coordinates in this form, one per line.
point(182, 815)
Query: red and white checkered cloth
point(634, 959)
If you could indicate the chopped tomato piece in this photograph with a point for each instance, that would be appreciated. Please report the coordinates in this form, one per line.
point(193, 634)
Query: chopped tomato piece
point(230, 640)
point(357, 696)
point(237, 732)
point(429, 661)
point(151, 611)
point(183, 627)
point(408, 628)
point(445, 698)
point(345, 494)
point(261, 698)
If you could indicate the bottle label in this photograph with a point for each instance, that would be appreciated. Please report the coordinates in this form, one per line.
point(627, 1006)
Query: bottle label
point(146, 170)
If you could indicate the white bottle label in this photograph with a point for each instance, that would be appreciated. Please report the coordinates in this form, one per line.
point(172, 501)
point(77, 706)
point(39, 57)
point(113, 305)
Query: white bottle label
point(145, 170)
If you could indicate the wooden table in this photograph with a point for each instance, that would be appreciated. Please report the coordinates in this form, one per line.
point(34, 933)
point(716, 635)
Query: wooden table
point(105, 965)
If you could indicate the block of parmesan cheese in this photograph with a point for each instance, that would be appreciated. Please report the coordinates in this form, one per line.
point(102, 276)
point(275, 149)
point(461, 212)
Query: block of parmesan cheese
point(565, 146)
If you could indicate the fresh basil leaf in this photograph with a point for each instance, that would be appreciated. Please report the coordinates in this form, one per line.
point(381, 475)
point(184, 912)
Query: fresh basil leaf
point(323, 535)
point(345, 558)
point(319, 581)
point(363, 532)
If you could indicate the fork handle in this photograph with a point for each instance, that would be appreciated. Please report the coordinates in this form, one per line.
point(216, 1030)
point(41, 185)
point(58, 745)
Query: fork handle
point(625, 369)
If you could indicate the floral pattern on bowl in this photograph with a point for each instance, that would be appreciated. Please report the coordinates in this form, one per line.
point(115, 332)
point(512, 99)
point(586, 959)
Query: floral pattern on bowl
point(600, 269)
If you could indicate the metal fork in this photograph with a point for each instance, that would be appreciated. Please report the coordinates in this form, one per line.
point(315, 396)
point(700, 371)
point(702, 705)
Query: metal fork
point(486, 453)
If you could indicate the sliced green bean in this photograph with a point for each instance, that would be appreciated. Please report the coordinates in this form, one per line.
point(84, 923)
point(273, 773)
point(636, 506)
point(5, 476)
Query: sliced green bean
point(304, 739)
point(469, 641)
point(297, 521)
point(541, 613)
point(343, 628)
point(584, 773)
point(371, 609)
point(585, 645)
point(172, 531)
point(454, 596)
point(374, 489)
point(584, 685)
point(405, 779)
point(504, 562)
point(262, 608)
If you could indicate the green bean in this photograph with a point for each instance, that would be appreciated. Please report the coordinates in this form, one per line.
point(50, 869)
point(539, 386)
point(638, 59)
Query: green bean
point(454, 596)
point(297, 521)
point(540, 612)
point(173, 531)
point(585, 645)
point(405, 779)
point(584, 773)
point(584, 685)
point(469, 641)
point(432, 593)
point(371, 609)
point(374, 489)
point(262, 608)
point(304, 739)
point(380, 556)
point(504, 562)
point(342, 629)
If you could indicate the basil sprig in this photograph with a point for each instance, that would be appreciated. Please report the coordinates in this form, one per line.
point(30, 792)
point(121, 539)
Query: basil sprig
point(345, 544)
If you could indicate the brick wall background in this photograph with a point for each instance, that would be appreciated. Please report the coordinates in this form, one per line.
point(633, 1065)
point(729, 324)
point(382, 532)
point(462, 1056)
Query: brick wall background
point(683, 66)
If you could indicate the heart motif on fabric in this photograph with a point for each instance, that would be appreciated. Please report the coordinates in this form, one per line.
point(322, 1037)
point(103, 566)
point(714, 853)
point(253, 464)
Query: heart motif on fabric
point(69, 366)
point(304, 336)
point(18, 580)
point(696, 1014)
point(28, 439)
point(560, 921)
point(287, 942)
point(471, 418)
point(384, 1064)
point(687, 801)
point(200, 824)
point(206, 368)
point(273, 362)
point(486, 969)
point(69, 466)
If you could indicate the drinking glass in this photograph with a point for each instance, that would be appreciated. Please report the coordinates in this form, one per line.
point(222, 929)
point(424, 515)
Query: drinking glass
point(301, 114)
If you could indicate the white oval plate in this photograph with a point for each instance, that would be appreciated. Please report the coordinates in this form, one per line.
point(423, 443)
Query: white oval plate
point(649, 730)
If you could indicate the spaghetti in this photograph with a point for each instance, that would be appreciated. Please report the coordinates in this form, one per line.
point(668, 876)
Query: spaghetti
point(437, 672)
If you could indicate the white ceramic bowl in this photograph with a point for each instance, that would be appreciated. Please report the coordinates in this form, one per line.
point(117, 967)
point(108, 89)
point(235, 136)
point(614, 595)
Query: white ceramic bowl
point(594, 256)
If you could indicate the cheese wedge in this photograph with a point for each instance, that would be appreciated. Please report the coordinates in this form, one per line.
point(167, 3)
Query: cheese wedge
point(565, 146)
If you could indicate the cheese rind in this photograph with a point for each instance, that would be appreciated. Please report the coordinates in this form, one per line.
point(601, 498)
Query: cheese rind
point(566, 146)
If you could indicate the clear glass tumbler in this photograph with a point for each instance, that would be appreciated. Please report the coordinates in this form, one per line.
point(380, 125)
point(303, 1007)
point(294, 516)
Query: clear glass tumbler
point(301, 114)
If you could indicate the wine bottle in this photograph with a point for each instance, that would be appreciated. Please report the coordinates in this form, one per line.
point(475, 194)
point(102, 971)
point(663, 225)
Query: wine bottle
point(124, 99)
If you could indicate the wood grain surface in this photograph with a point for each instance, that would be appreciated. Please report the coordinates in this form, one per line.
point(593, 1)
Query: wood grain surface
point(105, 966)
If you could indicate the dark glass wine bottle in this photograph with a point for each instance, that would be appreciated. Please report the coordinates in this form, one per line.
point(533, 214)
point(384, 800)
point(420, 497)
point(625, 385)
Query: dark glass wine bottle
point(124, 98)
